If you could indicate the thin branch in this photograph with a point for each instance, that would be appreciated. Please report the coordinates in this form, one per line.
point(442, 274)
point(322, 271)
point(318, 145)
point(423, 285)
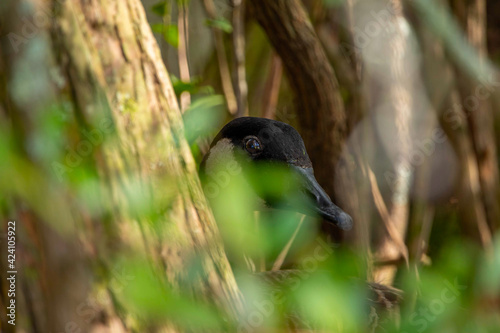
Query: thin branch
point(422, 216)
point(272, 87)
point(240, 81)
point(225, 75)
point(281, 257)
point(389, 224)
point(183, 26)
point(260, 256)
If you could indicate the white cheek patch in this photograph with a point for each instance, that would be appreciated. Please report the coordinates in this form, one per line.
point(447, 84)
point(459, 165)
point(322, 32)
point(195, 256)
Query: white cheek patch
point(220, 167)
point(220, 154)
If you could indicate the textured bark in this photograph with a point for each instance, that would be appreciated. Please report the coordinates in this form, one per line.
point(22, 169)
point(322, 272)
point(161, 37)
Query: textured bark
point(319, 104)
point(100, 58)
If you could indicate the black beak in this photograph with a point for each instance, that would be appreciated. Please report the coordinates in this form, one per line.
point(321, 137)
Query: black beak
point(322, 204)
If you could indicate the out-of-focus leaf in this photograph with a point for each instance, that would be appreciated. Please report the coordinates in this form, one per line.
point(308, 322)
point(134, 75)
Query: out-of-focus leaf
point(333, 3)
point(170, 33)
point(182, 86)
point(203, 117)
point(220, 23)
point(160, 8)
point(192, 87)
point(145, 295)
point(489, 276)
point(336, 305)
point(207, 102)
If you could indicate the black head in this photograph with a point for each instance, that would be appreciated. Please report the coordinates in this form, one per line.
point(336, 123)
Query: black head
point(265, 140)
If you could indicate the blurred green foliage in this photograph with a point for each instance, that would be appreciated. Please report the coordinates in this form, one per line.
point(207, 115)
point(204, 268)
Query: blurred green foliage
point(220, 23)
point(170, 33)
point(454, 293)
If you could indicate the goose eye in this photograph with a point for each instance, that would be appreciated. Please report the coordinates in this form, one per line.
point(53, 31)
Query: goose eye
point(253, 146)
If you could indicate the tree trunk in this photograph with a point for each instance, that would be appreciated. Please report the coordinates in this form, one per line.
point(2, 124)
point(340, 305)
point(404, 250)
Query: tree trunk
point(98, 66)
point(319, 104)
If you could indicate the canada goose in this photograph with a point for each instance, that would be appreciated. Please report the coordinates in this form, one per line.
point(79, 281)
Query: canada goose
point(249, 141)
point(252, 141)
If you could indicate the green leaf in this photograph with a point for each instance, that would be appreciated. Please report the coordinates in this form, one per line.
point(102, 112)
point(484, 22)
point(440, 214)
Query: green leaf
point(192, 87)
point(220, 23)
point(207, 102)
point(203, 117)
point(144, 294)
point(170, 33)
point(182, 86)
point(160, 8)
point(158, 27)
point(333, 3)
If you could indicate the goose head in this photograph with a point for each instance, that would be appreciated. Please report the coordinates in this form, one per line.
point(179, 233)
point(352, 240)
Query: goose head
point(251, 142)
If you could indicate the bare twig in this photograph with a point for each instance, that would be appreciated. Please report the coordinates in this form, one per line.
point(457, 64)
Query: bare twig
point(225, 75)
point(422, 217)
point(389, 224)
point(272, 87)
point(423, 237)
point(240, 81)
point(474, 182)
point(260, 256)
point(281, 257)
point(183, 24)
